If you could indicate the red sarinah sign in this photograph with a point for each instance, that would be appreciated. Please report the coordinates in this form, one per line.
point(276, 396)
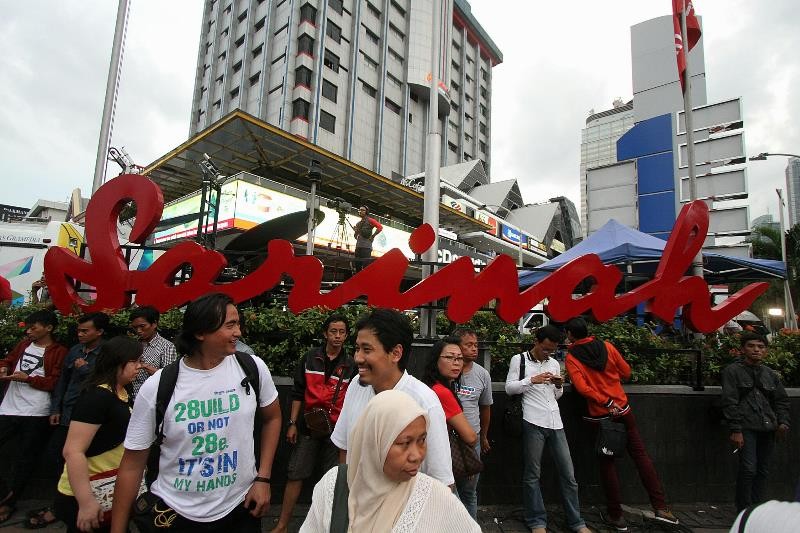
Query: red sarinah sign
point(466, 290)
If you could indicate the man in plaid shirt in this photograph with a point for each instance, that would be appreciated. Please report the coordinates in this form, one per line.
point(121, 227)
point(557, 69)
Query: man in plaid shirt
point(158, 351)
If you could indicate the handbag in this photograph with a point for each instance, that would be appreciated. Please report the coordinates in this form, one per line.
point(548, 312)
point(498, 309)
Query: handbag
point(318, 420)
point(102, 485)
point(612, 438)
point(512, 415)
point(465, 458)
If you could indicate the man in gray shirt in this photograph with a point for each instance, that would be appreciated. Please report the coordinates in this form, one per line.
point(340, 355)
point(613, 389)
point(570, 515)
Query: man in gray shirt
point(474, 389)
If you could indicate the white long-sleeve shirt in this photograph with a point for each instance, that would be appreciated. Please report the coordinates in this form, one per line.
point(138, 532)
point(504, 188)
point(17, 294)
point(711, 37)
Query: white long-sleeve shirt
point(539, 401)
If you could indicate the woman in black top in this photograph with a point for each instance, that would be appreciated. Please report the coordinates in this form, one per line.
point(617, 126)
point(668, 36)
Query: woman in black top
point(97, 429)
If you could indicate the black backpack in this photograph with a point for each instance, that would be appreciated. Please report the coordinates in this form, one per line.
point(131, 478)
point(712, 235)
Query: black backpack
point(166, 388)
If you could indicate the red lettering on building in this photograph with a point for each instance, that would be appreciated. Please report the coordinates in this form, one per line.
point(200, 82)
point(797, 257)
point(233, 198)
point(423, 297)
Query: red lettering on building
point(466, 290)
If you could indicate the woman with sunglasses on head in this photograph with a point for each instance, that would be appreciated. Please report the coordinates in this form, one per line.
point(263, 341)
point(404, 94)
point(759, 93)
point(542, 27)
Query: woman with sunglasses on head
point(442, 369)
point(96, 433)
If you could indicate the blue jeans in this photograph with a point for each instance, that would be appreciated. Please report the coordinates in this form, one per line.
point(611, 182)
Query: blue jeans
point(467, 489)
point(534, 439)
point(754, 460)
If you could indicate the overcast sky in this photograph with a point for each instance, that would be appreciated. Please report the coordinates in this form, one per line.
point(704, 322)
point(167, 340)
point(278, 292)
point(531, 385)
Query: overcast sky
point(561, 59)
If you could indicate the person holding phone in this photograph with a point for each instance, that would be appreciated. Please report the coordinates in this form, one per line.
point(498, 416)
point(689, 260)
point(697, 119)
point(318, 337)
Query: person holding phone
point(541, 388)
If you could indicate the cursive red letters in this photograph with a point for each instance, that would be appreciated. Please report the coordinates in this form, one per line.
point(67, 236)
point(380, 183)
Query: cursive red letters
point(466, 290)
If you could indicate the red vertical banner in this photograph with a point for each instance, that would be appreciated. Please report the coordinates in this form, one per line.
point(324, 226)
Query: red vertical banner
point(692, 34)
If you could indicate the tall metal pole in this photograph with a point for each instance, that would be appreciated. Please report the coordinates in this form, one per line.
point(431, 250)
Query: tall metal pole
point(789, 319)
point(697, 262)
point(312, 200)
point(112, 86)
point(432, 165)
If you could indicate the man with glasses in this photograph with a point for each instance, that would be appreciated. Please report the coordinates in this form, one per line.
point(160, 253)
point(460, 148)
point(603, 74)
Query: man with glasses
point(541, 387)
point(474, 389)
point(158, 351)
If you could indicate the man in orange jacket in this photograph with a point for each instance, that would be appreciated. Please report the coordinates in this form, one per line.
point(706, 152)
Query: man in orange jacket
point(596, 369)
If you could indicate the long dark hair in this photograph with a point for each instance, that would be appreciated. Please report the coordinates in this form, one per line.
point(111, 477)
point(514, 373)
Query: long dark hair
point(431, 374)
point(113, 355)
point(204, 315)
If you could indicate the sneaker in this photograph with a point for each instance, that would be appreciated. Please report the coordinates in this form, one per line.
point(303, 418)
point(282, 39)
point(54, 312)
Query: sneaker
point(619, 524)
point(665, 515)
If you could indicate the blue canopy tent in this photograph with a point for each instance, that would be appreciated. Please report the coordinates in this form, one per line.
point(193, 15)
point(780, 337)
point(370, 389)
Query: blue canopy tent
point(617, 244)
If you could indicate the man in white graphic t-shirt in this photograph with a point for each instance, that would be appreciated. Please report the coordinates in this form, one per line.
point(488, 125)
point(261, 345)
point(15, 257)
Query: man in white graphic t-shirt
point(31, 369)
point(208, 479)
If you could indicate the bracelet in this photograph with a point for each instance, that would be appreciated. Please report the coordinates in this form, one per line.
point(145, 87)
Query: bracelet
point(260, 479)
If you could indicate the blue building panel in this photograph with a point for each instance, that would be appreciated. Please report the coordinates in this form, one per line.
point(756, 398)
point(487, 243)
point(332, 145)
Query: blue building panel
point(648, 137)
point(655, 173)
point(657, 212)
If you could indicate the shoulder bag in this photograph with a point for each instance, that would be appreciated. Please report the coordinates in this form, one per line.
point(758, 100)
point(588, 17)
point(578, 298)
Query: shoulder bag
point(465, 458)
point(612, 438)
point(318, 420)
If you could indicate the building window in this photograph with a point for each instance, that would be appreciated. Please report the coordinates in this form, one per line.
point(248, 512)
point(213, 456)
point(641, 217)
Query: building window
point(483, 110)
point(456, 46)
point(276, 88)
point(484, 93)
point(223, 55)
point(455, 67)
point(482, 146)
point(300, 109)
point(302, 76)
point(327, 121)
point(281, 57)
point(410, 118)
point(484, 74)
point(220, 78)
point(254, 78)
point(414, 97)
point(305, 45)
point(329, 90)
point(454, 106)
point(456, 87)
point(453, 148)
point(308, 13)
point(394, 55)
point(400, 10)
point(371, 35)
point(282, 28)
point(257, 51)
point(217, 105)
point(335, 5)
point(392, 106)
point(227, 10)
point(467, 157)
point(238, 66)
point(334, 32)
point(394, 80)
point(482, 128)
point(235, 92)
point(243, 16)
point(331, 60)
point(396, 31)
point(368, 89)
point(260, 24)
point(374, 10)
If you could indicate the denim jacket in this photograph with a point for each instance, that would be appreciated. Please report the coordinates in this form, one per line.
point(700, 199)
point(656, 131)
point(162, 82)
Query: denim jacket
point(753, 398)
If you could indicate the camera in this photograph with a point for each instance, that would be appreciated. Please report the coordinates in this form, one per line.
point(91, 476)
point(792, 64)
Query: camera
point(340, 206)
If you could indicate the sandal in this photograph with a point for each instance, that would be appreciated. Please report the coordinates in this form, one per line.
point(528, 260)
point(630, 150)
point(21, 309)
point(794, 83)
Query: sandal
point(39, 520)
point(7, 510)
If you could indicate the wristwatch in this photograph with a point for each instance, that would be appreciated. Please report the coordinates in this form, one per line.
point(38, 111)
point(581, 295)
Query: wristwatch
point(291, 422)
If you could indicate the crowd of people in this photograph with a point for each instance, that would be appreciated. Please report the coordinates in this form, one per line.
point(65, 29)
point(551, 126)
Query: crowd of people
point(183, 436)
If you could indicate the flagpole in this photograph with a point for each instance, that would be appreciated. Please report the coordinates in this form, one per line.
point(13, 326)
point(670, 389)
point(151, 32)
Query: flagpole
point(697, 262)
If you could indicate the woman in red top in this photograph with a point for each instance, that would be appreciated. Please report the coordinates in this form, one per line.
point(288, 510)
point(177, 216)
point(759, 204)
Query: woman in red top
point(442, 369)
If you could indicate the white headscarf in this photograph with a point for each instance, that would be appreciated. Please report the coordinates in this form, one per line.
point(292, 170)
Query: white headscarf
point(376, 502)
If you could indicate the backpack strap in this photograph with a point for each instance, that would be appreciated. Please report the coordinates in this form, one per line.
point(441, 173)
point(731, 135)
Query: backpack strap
point(522, 357)
point(166, 387)
point(251, 376)
point(745, 516)
point(340, 515)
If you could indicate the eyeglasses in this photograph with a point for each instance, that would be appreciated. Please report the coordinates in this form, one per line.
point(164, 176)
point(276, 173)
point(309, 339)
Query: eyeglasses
point(451, 359)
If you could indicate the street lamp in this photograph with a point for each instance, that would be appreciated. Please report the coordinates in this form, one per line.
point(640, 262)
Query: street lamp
point(789, 319)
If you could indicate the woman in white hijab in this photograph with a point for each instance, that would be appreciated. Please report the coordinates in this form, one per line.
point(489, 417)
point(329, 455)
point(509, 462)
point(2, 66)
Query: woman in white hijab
point(387, 493)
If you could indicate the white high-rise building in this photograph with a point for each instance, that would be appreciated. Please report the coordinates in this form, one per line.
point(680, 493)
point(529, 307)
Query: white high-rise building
point(350, 76)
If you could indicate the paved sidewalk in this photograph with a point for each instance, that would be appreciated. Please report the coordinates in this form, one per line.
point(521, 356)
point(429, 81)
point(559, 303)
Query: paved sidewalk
point(697, 518)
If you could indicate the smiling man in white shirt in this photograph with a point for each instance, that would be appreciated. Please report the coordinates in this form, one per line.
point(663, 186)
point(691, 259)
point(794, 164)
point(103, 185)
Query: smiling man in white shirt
point(383, 346)
point(541, 387)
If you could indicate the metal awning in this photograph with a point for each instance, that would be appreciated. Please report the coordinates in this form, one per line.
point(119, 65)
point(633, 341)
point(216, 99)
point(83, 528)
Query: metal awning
point(240, 142)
